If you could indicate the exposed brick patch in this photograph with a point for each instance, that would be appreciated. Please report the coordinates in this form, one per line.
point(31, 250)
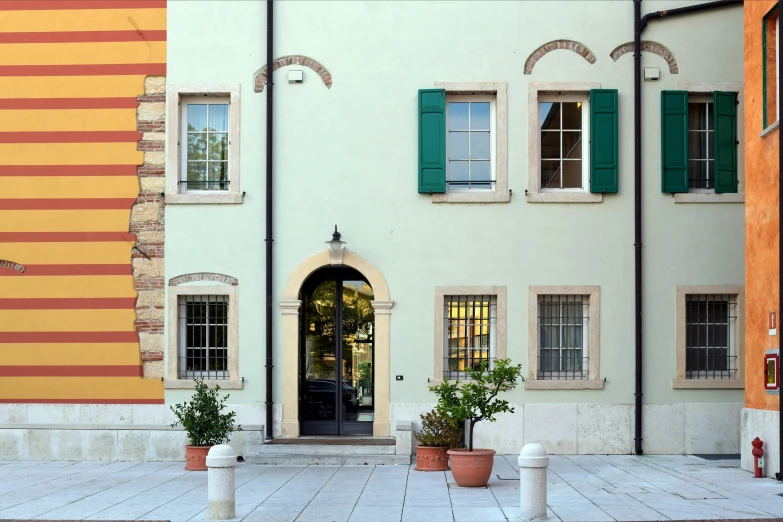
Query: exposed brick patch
point(151, 356)
point(151, 98)
point(554, 45)
point(203, 276)
point(259, 78)
point(648, 47)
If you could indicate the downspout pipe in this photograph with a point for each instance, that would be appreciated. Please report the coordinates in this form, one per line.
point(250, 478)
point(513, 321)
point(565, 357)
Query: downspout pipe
point(640, 23)
point(269, 200)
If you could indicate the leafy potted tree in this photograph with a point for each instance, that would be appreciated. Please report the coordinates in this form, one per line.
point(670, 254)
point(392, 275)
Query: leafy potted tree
point(439, 433)
point(472, 401)
point(204, 423)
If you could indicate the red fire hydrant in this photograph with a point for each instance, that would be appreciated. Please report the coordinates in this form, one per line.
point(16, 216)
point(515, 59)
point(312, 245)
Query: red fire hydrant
point(758, 458)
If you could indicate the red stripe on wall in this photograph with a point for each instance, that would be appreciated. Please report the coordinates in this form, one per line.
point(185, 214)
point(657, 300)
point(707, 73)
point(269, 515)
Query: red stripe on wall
point(69, 337)
point(84, 36)
point(72, 371)
point(68, 170)
point(70, 270)
point(66, 237)
point(67, 204)
point(81, 401)
point(106, 303)
point(70, 137)
point(118, 69)
point(68, 103)
point(55, 5)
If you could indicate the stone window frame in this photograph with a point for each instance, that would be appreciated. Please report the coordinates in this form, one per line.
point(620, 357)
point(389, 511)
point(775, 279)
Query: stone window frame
point(680, 381)
point(174, 96)
point(501, 193)
point(593, 381)
point(707, 88)
point(534, 194)
point(501, 295)
point(173, 381)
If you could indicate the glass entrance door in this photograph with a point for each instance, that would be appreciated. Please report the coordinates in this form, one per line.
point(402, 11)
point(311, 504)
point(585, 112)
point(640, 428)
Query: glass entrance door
point(336, 357)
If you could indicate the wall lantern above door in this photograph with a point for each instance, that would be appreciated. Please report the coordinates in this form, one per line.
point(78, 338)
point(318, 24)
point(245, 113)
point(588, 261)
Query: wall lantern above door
point(336, 248)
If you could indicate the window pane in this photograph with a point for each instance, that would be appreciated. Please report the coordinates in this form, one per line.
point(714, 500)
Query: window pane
point(479, 116)
point(550, 174)
point(458, 145)
point(480, 171)
point(479, 145)
point(550, 145)
point(572, 174)
point(549, 114)
point(197, 117)
point(218, 117)
point(710, 113)
point(218, 171)
point(698, 174)
point(458, 171)
point(458, 116)
point(697, 145)
point(697, 116)
point(197, 146)
point(572, 145)
point(572, 115)
point(197, 175)
point(218, 147)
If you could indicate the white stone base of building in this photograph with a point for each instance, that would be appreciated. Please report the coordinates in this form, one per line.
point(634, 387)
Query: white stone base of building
point(763, 424)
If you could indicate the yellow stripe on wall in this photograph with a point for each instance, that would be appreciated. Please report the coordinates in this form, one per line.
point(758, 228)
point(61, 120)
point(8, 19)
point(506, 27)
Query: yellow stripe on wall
point(70, 154)
point(52, 120)
point(66, 286)
point(64, 220)
point(84, 20)
point(82, 53)
point(80, 388)
point(71, 86)
point(13, 187)
point(69, 354)
point(67, 320)
point(98, 253)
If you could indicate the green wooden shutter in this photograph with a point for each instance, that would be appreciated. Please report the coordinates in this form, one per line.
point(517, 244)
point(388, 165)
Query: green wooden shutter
point(603, 141)
point(432, 141)
point(674, 141)
point(725, 141)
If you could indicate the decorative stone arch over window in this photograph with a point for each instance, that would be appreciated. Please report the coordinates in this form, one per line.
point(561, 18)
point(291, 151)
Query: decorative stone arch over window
point(290, 306)
point(259, 78)
point(203, 276)
point(648, 46)
point(554, 45)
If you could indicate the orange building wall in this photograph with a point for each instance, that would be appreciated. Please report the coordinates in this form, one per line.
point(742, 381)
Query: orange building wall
point(70, 74)
point(761, 216)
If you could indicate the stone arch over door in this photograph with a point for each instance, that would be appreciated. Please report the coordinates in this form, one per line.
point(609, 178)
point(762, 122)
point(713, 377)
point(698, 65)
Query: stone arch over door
point(291, 306)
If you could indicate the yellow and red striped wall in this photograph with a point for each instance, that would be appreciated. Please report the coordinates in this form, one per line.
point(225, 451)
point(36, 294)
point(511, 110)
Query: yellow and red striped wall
point(70, 75)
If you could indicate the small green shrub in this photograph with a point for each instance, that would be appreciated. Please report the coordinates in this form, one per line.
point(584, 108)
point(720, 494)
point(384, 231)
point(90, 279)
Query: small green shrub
point(202, 419)
point(438, 431)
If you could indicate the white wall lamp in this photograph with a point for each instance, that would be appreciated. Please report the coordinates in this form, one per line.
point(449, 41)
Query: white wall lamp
point(336, 248)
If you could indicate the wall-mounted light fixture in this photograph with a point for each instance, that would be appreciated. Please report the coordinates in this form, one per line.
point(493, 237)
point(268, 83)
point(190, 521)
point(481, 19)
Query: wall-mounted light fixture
point(336, 248)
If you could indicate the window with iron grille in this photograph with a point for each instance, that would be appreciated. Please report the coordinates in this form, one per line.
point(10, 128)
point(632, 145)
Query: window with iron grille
point(562, 336)
point(710, 331)
point(203, 336)
point(470, 333)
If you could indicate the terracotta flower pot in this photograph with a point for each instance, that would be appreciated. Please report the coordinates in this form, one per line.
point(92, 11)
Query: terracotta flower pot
point(196, 458)
point(430, 458)
point(471, 469)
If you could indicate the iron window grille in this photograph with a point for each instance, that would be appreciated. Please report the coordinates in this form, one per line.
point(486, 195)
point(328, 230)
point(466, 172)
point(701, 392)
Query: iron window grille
point(562, 337)
point(470, 334)
point(203, 337)
point(701, 151)
point(470, 143)
point(710, 336)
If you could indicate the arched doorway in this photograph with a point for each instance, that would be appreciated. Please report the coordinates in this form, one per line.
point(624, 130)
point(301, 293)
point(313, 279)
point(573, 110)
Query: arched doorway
point(336, 348)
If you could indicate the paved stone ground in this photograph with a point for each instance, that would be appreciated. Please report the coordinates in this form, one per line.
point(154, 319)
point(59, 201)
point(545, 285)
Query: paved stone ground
point(581, 488)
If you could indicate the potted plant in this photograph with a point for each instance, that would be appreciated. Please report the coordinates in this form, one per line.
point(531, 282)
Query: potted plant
point(439, 433)
point(472, 401)
point(204, 424)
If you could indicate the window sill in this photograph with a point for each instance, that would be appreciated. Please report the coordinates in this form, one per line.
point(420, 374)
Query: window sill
point(471, 197)
point(553, 384)
point(769, 130)
point(563, 197)
point(204, 199)
point(707, 384)
point(709, 197)
point(182, 384)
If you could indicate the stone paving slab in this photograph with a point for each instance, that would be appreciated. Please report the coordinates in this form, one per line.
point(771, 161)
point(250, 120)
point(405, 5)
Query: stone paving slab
point(581, 488)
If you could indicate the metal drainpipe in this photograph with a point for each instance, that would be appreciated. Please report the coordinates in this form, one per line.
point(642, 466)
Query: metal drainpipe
point(639, 25)
point(269, 239)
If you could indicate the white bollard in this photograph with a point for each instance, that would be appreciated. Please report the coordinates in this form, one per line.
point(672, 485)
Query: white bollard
point(221, 462)
point(533, 462)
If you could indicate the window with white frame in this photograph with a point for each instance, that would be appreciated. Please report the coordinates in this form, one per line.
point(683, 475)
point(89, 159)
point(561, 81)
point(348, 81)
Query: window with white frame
point(470, 333)
point(710, 336)
point(701, 148)
point(563, 139)
point(205, 136)
point(470, 144)
point(563, 336)
point(203, 333)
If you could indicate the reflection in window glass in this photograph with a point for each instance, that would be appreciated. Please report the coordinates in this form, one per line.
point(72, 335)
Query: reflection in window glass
point(560, 124)
point(469, 145)
point(206, 154)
